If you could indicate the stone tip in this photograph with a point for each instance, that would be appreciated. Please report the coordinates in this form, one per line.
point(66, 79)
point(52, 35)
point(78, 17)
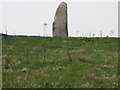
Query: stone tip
point(63, 3)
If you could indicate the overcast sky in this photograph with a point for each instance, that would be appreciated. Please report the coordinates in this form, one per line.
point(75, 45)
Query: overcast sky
point(83, 18)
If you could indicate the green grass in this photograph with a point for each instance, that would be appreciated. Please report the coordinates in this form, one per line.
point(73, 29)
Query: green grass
point(39, 62)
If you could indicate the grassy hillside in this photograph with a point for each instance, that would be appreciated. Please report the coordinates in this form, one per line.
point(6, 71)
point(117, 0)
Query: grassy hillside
point(36, 62)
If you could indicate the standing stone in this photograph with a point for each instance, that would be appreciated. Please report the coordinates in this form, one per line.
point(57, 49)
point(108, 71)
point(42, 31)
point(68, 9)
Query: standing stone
point(60, 21)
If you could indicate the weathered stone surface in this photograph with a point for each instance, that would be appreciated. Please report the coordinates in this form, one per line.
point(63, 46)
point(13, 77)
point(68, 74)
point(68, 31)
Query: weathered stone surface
point(60, 21)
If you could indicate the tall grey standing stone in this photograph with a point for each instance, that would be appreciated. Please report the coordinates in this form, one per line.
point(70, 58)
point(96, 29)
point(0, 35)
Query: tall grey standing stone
point(60, 21)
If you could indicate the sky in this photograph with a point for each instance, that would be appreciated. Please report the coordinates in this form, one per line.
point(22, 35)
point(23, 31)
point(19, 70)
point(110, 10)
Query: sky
point(84, 18)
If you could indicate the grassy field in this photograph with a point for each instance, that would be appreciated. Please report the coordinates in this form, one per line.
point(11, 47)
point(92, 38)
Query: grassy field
point(39, 62)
